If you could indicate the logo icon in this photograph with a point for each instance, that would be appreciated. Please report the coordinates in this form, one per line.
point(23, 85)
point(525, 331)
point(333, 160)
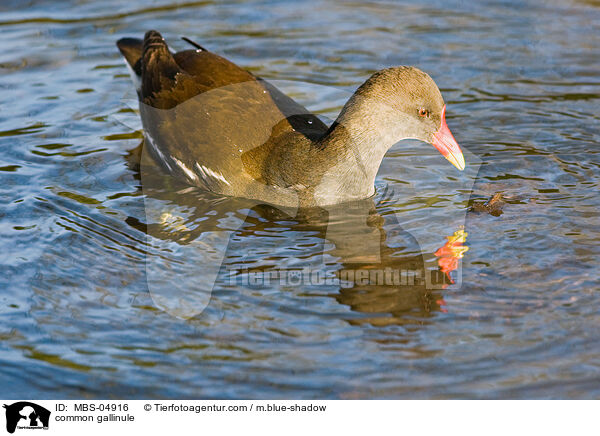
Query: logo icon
point(26, 415)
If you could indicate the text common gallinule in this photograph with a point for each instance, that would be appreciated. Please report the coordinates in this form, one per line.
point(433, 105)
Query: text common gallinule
point(217, 126)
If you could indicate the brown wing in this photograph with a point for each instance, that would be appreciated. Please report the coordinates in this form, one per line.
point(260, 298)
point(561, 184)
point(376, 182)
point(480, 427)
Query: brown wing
point(204, 116)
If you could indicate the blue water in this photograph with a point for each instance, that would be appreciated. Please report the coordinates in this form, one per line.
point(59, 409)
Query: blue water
point(90, 243)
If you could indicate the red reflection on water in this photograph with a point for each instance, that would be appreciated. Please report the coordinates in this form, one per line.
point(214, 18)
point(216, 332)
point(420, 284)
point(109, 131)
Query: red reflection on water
point(451, 252)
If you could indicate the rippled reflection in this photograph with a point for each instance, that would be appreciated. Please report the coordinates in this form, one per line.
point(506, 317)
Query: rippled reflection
point(346, 243)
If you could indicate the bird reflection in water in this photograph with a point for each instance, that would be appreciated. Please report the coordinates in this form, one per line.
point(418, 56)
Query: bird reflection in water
point(379, 270)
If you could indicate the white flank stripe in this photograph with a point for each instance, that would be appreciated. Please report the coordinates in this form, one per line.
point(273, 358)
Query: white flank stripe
point(208, 172)
point(161, 156)
point(191, 175)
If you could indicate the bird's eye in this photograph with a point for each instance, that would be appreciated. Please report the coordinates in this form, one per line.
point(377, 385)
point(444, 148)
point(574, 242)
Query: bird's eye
point(423, 112)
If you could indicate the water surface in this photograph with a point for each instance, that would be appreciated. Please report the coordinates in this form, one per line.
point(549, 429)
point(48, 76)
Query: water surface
point(522, 84)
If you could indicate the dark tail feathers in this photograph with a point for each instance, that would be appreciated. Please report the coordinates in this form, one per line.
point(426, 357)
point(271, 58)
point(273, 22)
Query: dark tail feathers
point(158, 66)
point(131, 49)
point(151, 61)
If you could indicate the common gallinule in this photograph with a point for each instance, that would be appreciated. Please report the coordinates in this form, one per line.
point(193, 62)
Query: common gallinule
point(219, 127)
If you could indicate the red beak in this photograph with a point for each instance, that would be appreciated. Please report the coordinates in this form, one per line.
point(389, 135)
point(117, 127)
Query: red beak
point(447, 145)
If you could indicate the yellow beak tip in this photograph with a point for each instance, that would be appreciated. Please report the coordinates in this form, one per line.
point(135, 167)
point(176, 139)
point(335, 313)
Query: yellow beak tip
point(457, 161)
